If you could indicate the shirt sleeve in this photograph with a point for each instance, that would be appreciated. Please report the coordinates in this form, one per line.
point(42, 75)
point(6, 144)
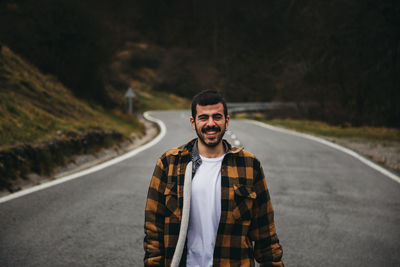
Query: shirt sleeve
point(267, 250)
point(154, 217)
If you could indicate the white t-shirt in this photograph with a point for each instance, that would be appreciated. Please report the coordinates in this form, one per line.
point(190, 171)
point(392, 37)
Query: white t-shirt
point(205, 212)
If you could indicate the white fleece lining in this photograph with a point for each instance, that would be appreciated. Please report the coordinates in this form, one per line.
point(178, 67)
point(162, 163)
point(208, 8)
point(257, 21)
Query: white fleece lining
point(187, 188)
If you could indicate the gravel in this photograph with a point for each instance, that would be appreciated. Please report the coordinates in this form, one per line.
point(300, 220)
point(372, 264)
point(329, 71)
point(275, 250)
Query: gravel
point(385, 153)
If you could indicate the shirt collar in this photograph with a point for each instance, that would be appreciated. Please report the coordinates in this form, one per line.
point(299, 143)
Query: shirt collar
point(196, 159)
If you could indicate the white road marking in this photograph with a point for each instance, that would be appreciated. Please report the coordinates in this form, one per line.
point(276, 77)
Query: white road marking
point(236, 143)
point(163, 131)
point(367, 162)
point(233, 136)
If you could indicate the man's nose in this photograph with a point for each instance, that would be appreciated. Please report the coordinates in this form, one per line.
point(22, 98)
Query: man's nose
point(211, 121)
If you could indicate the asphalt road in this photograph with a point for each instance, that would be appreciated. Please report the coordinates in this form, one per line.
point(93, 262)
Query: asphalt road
point(330, 209)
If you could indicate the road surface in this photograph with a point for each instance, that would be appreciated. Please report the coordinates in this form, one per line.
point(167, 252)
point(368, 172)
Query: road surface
point(330, 209)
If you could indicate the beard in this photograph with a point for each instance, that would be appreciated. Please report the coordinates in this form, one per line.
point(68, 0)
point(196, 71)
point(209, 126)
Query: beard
point(201, 133)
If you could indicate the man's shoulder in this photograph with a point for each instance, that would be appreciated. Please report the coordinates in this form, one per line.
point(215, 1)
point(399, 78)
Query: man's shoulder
point(185, 148)
point(245, 153)
point(173, 151)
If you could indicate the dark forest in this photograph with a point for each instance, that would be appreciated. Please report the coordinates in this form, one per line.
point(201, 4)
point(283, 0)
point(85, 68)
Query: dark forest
point(339, 57)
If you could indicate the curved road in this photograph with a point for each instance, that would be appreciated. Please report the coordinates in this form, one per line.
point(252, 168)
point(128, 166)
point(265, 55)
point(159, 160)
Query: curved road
point(330, 209)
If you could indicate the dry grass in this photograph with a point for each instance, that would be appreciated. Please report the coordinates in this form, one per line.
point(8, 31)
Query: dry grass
point(327, 130)
point(35, 107)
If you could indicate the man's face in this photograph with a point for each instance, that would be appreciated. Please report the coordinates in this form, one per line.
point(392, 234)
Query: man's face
point(210, 124)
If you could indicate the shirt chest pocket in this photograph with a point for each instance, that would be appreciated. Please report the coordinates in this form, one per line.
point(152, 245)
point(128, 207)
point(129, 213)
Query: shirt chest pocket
point(244, 198)
point(171, 200)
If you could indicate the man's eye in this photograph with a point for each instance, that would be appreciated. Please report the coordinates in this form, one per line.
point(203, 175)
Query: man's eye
point(217, 117)
point(202, 118)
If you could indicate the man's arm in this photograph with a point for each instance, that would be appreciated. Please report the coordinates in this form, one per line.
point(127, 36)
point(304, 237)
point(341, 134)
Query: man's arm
point(154, 217)
point(267, 250)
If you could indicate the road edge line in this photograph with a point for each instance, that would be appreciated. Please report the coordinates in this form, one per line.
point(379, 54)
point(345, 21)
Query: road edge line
point(350, 152)
point(103, 165)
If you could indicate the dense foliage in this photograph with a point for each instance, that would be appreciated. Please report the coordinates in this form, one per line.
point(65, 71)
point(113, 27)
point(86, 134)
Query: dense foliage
point(340, 56)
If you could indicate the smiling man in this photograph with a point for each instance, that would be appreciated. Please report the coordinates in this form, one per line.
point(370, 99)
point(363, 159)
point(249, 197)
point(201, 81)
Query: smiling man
point(208, 203)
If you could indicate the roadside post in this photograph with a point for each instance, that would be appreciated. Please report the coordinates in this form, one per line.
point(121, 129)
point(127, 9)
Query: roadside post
point(130, 94)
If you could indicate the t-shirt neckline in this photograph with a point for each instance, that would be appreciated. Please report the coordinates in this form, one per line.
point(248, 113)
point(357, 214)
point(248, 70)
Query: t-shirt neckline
point(212, 159)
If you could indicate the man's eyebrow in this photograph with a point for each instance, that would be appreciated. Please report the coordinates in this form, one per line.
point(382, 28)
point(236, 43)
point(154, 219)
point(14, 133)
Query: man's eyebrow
point(214, 114)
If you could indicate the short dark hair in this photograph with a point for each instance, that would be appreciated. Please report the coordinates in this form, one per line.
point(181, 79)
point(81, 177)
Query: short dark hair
point(205, 98)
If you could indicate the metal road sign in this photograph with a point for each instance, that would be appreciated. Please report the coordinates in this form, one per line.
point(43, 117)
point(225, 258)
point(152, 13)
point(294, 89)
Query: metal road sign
point(130, 94)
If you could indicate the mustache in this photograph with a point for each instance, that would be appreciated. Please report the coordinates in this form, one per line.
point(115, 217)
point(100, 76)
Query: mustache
point(213, 128)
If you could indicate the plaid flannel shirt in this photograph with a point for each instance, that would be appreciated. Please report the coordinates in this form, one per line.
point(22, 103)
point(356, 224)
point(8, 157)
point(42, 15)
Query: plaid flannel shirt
point(246, 211)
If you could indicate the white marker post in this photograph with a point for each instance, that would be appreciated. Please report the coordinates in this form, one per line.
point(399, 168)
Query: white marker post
point(130, 95)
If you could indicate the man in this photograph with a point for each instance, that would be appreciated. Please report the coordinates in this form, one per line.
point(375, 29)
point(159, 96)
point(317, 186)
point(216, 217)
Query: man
point(208, 201)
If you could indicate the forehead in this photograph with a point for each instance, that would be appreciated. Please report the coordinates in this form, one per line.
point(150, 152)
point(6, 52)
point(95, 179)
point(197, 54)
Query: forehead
point(210, 109)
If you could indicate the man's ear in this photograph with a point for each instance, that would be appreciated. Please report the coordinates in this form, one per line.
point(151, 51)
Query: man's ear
point(227, 120)
point(192, 122)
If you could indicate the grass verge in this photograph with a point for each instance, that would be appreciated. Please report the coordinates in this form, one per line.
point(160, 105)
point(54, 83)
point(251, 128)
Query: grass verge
point(323, 129)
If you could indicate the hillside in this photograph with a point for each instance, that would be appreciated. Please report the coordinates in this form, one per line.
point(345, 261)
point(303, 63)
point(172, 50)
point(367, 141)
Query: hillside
point(36, 107)
point(44, 125)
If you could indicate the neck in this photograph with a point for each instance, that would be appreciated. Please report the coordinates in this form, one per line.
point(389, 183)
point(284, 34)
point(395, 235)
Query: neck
point(210, 152)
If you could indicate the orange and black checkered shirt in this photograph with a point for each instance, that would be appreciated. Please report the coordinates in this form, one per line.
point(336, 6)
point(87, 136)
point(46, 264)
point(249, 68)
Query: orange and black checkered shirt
point(247, 215)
